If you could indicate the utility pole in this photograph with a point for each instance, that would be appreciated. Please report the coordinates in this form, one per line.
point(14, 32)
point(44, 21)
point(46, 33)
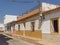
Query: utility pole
point(40, 13)
point(21, 1)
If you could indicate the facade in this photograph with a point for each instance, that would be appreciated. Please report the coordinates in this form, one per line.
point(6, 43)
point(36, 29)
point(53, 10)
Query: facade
point(51, 23)
point(36, 22)
point(28, 26)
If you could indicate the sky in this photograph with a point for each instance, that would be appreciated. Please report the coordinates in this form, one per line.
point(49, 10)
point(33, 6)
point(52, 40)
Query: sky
point(10, 7)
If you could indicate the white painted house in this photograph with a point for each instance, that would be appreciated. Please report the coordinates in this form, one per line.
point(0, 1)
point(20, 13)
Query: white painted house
point(1, 27)
point(41, 20)
point(51, 23)
point(8, 19)
point(51, 14)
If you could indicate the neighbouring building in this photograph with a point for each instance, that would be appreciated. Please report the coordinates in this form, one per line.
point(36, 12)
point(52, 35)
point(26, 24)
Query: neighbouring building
point(8, 19)
point(45, 19)
point(1, 27)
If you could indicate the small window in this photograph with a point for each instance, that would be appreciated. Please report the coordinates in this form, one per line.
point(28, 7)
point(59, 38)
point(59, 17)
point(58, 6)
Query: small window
point(43, 16)
point(18, 27)
point(1, 28)
point(14, 27)
point(24, 24)
point(32, 23)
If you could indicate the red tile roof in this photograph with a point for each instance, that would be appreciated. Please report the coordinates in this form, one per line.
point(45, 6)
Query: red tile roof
point(32, 13)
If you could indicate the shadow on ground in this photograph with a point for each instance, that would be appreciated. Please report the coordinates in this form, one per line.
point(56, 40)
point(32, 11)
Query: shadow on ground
point(4, 39)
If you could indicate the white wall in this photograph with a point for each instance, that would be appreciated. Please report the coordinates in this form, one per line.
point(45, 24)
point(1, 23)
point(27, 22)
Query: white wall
point(16, 27)
point(9, 18)
point(47, 6)
point(22, 26)
point(37, 24)
point(28, 25)
point(46, 22)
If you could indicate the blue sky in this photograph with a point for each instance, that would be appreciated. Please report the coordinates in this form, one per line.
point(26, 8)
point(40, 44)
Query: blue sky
point(19, 7)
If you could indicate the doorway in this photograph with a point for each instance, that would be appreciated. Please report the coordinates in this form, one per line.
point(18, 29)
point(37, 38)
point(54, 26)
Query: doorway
point(54, 25)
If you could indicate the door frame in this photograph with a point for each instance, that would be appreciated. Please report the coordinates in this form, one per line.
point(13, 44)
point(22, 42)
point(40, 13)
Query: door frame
point(57, 18)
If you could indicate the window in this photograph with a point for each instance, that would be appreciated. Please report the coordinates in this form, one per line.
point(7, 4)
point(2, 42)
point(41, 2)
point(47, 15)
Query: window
point(55, 25)
point(8, 28)
point(24, 24)
point(13, 26)
point(18, 27)
point(1, 28)
point(32, 23)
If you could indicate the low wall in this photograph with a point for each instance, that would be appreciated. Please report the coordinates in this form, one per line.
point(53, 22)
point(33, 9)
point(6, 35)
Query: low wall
point(19, 32)
point(32, 34)
point(35, 34)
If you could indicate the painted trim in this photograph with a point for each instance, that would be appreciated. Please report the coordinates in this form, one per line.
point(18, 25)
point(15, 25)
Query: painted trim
point(59, 25)
point(51, 11)
point(51, 25)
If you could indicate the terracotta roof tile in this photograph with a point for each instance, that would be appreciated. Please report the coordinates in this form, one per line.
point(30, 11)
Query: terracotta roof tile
point(28, 14)
point(32, 13)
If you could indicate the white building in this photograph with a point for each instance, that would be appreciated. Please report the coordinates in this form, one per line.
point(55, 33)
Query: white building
point(32, 25)
point(1, 27)
point(8, 19)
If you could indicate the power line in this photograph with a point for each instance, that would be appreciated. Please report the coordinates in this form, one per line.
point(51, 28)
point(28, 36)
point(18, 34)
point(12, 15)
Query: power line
point(21, 1)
